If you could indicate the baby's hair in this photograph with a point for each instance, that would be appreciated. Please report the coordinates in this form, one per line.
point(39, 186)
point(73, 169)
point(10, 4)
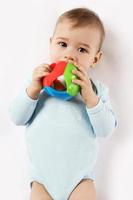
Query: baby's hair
point(81, 17)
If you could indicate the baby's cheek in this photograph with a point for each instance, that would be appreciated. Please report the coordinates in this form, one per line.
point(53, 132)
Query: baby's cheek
point(83, 64)
point(87, 64)
point(55, 57)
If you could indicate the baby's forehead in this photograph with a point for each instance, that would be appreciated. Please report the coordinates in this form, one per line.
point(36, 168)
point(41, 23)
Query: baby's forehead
point(68, 26)
point(89, 34)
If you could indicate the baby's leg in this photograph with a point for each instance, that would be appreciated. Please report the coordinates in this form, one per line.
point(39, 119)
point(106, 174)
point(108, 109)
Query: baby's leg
point(38, 192)
point(85, 190)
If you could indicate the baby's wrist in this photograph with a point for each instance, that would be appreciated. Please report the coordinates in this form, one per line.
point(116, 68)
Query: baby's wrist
point(92, 102)
point(33, 92)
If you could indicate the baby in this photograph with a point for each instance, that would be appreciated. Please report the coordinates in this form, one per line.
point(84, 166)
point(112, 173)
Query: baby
point(62, 135)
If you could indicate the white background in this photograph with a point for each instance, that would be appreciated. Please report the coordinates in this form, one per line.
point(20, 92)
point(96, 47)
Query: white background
point(25, 29)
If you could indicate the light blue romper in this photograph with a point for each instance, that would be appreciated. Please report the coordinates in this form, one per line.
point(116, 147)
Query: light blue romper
point(62, 136)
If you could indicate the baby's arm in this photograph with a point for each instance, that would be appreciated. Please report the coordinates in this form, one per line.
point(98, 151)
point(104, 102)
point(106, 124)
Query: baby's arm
point(22, 108)
point(102, 116)
point(23, 105)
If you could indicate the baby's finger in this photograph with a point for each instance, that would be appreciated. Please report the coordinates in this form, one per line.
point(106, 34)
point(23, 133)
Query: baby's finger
point(40, 74)
point(43, 73)
point(78, 82)
point(46, 66)
point(43, 69)
point(82, 69)
point(79, 74)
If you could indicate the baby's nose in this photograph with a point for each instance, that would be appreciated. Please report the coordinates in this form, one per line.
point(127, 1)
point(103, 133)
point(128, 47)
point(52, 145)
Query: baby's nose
point(69, 59)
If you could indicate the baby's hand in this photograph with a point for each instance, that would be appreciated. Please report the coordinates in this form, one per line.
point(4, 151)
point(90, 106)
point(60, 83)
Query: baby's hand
point(36, 85)
point(38, 73)
point(89, 96)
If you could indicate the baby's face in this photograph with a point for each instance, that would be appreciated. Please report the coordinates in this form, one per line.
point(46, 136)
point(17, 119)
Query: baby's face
point(77, 45)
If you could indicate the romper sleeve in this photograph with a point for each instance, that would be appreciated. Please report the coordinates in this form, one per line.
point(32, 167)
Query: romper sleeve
point(22, 106)
point(102, 116)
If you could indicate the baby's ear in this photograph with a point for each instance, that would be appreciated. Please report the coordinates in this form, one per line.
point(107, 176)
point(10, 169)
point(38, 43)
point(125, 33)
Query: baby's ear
point(50, 39)
point(97, 57)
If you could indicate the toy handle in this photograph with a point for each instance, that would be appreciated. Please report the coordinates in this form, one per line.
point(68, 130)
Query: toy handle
point(72, 88)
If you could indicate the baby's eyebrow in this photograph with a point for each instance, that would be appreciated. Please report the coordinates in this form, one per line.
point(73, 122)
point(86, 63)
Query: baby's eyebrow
point(80, 43)
point(62, 38)
point(84, 44)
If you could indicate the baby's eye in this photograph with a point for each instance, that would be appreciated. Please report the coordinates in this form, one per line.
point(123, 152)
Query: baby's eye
point(62, 44)
point(82, 50)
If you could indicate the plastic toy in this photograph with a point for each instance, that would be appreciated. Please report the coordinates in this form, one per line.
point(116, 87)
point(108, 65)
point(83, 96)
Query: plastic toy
point(54, 87)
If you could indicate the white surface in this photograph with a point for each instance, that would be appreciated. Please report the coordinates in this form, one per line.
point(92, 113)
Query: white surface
point(25, 28)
